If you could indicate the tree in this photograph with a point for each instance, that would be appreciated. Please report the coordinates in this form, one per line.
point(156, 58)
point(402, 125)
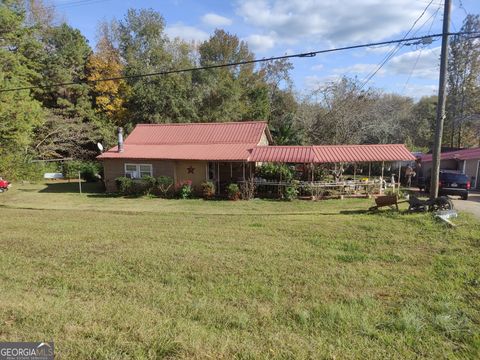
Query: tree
point(109, 97)
point(145, 48)
point(229, 93)
point(20, 114)
point(65, 57)
point(463, 86)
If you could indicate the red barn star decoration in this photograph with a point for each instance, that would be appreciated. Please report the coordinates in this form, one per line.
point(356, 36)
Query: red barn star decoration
point(191, 169)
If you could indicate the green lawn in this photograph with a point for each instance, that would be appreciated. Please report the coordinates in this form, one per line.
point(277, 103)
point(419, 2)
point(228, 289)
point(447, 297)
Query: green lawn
point(117, 278)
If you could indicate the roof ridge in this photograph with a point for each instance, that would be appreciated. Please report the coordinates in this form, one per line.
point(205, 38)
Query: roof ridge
point(193, 143)
point(208, 123)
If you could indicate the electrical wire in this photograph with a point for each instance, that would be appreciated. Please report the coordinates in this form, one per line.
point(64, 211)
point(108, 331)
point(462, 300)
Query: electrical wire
point(395, 50)
point(246, 62)
point(420, 51)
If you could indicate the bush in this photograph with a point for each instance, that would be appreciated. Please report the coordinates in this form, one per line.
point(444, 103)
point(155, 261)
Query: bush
point(233, 191)
point(208, 190)
point(164, 184)
point(275, 172)
point(125, 185)
point(88, 170)
point(247, 189)
point(184, 189)
point(291, 192)
point(14, 167)
point(149, 184)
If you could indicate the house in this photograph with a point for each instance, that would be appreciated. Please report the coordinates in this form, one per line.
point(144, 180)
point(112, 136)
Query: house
point(189, 151)
point(222, 152)
point(466, 161)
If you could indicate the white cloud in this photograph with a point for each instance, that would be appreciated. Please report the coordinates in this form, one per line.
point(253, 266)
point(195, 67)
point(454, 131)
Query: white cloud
point(426, 67)
point(359, 69)
point(416, 91)
point(314, 82)
point(346, 21)
point(260, 43)
point(185, 32)
point(216, 20)
point(317, 67)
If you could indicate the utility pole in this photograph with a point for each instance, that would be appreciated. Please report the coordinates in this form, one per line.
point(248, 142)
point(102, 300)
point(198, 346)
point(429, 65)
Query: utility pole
point(442, 96)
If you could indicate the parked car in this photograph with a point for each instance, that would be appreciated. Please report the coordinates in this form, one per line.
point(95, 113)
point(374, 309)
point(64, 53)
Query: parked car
point(4, 185)
point(451, 183)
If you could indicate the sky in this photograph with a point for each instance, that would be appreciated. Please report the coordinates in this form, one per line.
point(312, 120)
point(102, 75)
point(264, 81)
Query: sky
point(279, 27)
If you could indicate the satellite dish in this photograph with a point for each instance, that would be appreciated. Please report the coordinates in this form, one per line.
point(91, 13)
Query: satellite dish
point(100, 147)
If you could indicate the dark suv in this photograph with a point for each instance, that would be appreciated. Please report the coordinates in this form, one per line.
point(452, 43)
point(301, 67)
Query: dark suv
point(451, 183)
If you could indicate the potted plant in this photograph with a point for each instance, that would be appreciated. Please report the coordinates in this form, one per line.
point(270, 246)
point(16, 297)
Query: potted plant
point(233, 191)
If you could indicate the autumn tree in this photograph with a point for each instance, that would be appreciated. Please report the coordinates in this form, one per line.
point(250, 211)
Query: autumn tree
point(109, 97)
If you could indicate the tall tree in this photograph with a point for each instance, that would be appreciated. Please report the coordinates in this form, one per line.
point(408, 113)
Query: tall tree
point(464, 86)
point(108, 96)
point(64, 61)
point(20, 114)
point(230, 93)
point(145, 48)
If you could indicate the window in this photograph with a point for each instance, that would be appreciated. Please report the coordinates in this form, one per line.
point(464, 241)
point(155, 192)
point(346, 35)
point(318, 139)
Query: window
point(137, 171)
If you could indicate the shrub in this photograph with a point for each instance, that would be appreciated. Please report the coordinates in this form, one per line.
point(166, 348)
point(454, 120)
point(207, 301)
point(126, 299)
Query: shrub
point(208, 190)
point(291, 192)
point(88, 170)
point(233, 191)
point(247, 189)
point(125, 185)
point(184, 189)
point(148, 184)
point(276, 172)
point(15, 167)
point(164, 184)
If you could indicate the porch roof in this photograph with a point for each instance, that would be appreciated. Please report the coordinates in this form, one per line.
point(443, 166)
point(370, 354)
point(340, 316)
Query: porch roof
point(331, 153)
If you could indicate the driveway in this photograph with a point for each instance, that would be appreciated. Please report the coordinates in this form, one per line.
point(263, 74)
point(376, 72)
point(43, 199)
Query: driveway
point(472, 205)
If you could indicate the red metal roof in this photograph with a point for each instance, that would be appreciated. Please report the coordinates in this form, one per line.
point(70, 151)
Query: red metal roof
point(362, 153)
point(289, 154)
point(466, 154)
point(211, 152)
point(238, 141)
point(249, 132)
point(331, 153)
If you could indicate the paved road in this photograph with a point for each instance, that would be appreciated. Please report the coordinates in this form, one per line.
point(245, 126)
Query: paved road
point(472, 205)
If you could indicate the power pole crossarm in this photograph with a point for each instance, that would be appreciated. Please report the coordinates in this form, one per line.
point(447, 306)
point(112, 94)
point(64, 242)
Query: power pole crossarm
point(442, 95)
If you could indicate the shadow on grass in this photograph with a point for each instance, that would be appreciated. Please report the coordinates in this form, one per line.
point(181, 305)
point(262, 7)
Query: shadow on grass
point(73, 187)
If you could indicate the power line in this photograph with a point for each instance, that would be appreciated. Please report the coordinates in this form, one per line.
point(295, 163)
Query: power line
point(395, 50)
point(246, 62)
point(421, 49)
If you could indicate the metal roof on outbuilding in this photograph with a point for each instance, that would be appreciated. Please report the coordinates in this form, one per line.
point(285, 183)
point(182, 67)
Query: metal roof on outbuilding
point(465, 154)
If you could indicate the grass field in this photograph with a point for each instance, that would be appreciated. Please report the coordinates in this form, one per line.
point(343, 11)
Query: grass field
point(116, 278)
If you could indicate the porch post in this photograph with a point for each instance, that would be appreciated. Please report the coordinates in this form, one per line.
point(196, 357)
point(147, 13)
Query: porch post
point(369, 170)
point(399, 174)
point(231, 171)
point(381, 178)
point(206, 171)
point(354, 171)
point(243, 166)
point(218, 177)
